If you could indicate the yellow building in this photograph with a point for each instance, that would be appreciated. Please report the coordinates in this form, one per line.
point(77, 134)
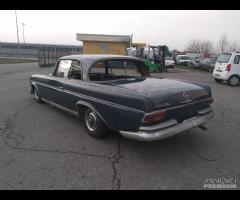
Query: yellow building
point(104, 44)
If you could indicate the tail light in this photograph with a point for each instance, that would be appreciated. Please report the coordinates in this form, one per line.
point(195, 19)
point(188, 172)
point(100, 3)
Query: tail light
point(208, 100)
point(154, 116)
point(228, 68)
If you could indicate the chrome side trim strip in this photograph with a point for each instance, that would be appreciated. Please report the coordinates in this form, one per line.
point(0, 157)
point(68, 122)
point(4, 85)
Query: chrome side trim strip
point(59, 107)
point(92, 98)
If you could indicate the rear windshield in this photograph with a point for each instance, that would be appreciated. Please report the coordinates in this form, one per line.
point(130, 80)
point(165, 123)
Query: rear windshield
point(184, 58)
point(117, 69)
point(168, 58)
point(224, 58)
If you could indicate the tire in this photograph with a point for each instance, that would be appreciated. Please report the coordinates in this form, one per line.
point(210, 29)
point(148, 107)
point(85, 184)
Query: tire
point(37, 96)
point(233, 80)
point(94, 126)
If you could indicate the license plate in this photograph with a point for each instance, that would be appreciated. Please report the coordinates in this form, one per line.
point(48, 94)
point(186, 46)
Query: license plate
point(217, 75)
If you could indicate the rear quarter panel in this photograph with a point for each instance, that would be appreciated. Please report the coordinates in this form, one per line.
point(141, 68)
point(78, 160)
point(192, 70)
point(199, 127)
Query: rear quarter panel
point(121, 109)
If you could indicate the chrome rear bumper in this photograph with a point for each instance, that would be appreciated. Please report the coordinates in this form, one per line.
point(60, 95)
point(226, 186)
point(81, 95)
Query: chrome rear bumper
point(169, 128)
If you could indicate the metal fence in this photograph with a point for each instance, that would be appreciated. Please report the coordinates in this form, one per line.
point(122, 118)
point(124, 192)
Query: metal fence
point(48, 56)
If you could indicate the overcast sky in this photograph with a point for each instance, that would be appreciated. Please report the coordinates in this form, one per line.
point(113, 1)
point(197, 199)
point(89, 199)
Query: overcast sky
point(173, 28)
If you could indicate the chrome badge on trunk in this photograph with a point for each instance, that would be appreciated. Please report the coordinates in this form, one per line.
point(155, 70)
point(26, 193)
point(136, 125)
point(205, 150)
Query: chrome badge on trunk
point(186, 96)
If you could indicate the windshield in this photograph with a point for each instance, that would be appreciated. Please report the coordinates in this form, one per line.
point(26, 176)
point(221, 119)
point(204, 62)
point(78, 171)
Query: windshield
point(224, 58)
point(184, 58)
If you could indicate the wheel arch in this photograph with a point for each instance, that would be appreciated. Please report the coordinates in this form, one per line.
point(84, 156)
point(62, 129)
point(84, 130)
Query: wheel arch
point(81, 106)
point(234, 75)
point(33, 86)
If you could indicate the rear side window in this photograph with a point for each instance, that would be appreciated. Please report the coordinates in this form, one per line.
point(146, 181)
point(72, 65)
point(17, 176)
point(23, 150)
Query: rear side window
point(99, 67)
point(116, 67)
point(236, 59)
point(63, 68)
point(224, 58)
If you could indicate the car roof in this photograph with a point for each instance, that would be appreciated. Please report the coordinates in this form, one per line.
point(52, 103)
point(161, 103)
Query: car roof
point(87, 60)
point(95, 57)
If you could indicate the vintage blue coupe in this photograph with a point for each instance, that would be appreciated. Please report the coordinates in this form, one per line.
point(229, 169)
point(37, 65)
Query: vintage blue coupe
point(112, 92)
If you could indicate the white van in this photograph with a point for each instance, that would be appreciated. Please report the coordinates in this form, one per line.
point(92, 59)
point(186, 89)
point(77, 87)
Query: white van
point(182, 60)
point(227, 68)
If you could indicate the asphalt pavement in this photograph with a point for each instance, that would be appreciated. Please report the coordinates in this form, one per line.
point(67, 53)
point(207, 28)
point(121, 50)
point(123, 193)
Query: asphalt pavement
point(42, 147)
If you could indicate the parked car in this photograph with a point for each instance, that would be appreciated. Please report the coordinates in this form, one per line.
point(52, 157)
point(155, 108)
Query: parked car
point(227, 68)
point(116, 93)
point(169, 62)
point(182, 60)
point(207, 64)
point(194, 62)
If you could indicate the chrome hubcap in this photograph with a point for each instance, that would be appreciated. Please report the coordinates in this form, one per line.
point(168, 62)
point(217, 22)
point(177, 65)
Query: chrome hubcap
point(35, 94)
point(91, 121)
point(234, 81)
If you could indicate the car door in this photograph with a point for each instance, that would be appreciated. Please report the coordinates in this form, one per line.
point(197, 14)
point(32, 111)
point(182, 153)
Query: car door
point(202, 63)
point(72, 86)
point(206, 64)
point(236, 65)
point(55, 82)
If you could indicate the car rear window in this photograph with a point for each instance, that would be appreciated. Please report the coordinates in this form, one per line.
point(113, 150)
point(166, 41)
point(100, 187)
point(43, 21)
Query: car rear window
point(224, 58)
point(184, 58)
point(116, 69)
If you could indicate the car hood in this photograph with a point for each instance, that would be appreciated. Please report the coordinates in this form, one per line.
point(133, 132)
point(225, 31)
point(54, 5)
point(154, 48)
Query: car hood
point(165, 92)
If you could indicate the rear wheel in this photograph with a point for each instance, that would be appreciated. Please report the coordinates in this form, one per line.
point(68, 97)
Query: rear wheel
point(218, 80)
point(233, 80)
point(94, 125)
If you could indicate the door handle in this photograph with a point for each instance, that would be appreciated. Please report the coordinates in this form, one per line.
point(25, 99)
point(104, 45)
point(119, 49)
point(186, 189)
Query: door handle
point(60, 87)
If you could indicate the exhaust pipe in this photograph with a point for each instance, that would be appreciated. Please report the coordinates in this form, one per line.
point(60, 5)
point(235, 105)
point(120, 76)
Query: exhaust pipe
point(203, 127)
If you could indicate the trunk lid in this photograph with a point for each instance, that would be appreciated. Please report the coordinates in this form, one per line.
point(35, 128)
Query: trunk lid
point(164, 92)
point(220, 67)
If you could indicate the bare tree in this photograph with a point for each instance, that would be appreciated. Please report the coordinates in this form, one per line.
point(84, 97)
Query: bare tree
point(199, 46)
point(194, 46)
point(234, 46)
point(223, 43)
point(206, 46)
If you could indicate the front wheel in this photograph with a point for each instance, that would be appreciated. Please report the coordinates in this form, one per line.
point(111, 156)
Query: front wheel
point(94, 125)
point(233, 80)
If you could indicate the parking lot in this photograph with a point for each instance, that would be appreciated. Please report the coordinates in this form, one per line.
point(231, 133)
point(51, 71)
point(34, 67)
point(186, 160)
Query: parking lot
point(42, 147)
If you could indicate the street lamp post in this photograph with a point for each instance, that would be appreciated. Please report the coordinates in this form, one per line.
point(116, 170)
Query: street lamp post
point(23, 24)
point(17, 27)
point(17, 31)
